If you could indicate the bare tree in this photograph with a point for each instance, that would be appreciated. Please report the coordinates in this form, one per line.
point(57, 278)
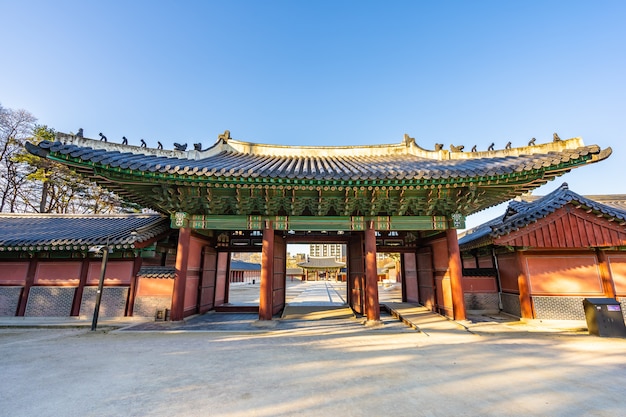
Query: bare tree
point(29, 183)
point(15, 127)
point(54, 188)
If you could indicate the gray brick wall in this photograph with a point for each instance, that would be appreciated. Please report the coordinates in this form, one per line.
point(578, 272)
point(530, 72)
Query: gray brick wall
point(50, 301)
point(112, 303)
point(559, 308)
point(622, 302)
point(511, 304)
point(9, 299)
point(481, 301)
point(147, 306)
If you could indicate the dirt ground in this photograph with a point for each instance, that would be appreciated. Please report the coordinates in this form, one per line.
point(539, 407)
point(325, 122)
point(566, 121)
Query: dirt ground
point(486, 366)
point(338, 372)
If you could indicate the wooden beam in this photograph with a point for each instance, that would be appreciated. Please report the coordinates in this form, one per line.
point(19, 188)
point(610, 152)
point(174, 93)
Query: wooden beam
point(30, 280)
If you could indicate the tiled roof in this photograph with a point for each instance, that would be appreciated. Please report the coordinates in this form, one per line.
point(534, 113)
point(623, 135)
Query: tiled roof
point(157, 272)
point(321, 263)
point(78, 232)
point(235, 159)
point(238, 265)
point(520, 213)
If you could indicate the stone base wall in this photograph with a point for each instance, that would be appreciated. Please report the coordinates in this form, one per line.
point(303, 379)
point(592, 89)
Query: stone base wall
point(559, 308)
point(9, 300)
point(112, 303)
point(146, 306)
point(57, 302)
point(511, 304)
point(50, 301)
point(481, 301)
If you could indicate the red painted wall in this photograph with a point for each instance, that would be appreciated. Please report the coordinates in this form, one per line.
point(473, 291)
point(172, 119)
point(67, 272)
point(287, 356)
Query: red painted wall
point(410, 277)
point(440, 254)
point(442, 275)
point(221, 293)
point(62, 273)
point(469, 262)
point(575, 274)
point(509, 271)
point(117, 272)
point(13, 273)
point(485, 261)
point(479, 284)
point(147, 287)
point(617, 265)
point(425, 279)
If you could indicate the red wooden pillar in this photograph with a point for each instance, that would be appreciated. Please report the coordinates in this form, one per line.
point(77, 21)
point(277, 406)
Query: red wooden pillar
point(608, 285)
point(267, 274)
point(372, 306)
point(456, 275)
point(30, 280)
point(182, 258)
point(132, 290)
point(525, 301)
point(78, 294)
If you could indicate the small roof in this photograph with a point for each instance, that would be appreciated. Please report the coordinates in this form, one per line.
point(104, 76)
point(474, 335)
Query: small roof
point(238, 265)
point(28, 232)
point(157, 272)
point(526, 210)
point(321, 263)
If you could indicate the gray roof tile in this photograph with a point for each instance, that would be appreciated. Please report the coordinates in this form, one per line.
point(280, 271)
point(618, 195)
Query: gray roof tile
point(78, 232)
point(409, 162)
point(521, 213)
point(157, 272)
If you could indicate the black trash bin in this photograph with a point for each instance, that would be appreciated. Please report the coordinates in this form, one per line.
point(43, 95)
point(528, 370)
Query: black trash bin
point(604, 317)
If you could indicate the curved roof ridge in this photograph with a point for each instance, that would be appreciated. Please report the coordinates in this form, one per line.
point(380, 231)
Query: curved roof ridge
point(545, 205)
point(408, 146)
point(528, 212)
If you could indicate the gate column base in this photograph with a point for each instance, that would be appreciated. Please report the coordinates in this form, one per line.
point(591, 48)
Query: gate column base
point(265, 324)
point(373, 324)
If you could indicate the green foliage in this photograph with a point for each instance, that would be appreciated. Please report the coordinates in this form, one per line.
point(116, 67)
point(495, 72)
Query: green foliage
point(35, 184)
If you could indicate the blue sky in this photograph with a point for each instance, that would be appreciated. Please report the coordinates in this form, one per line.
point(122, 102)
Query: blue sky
point(326, 73)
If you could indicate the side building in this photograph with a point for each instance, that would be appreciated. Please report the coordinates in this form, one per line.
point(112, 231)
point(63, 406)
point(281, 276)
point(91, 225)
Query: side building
point(545, 255)
point(51, 264)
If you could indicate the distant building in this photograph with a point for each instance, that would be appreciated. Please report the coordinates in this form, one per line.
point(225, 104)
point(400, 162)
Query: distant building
point(322, 268)
point(244, 272)
point(326, 250)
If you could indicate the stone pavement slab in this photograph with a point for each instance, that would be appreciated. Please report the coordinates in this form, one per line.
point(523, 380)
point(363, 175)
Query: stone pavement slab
point(422, 319)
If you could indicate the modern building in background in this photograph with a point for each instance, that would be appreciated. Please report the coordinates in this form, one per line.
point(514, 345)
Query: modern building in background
point(326, 250)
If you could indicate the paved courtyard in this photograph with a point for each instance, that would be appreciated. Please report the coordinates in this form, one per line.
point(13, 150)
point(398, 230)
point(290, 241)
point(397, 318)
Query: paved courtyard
point(484, 368)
